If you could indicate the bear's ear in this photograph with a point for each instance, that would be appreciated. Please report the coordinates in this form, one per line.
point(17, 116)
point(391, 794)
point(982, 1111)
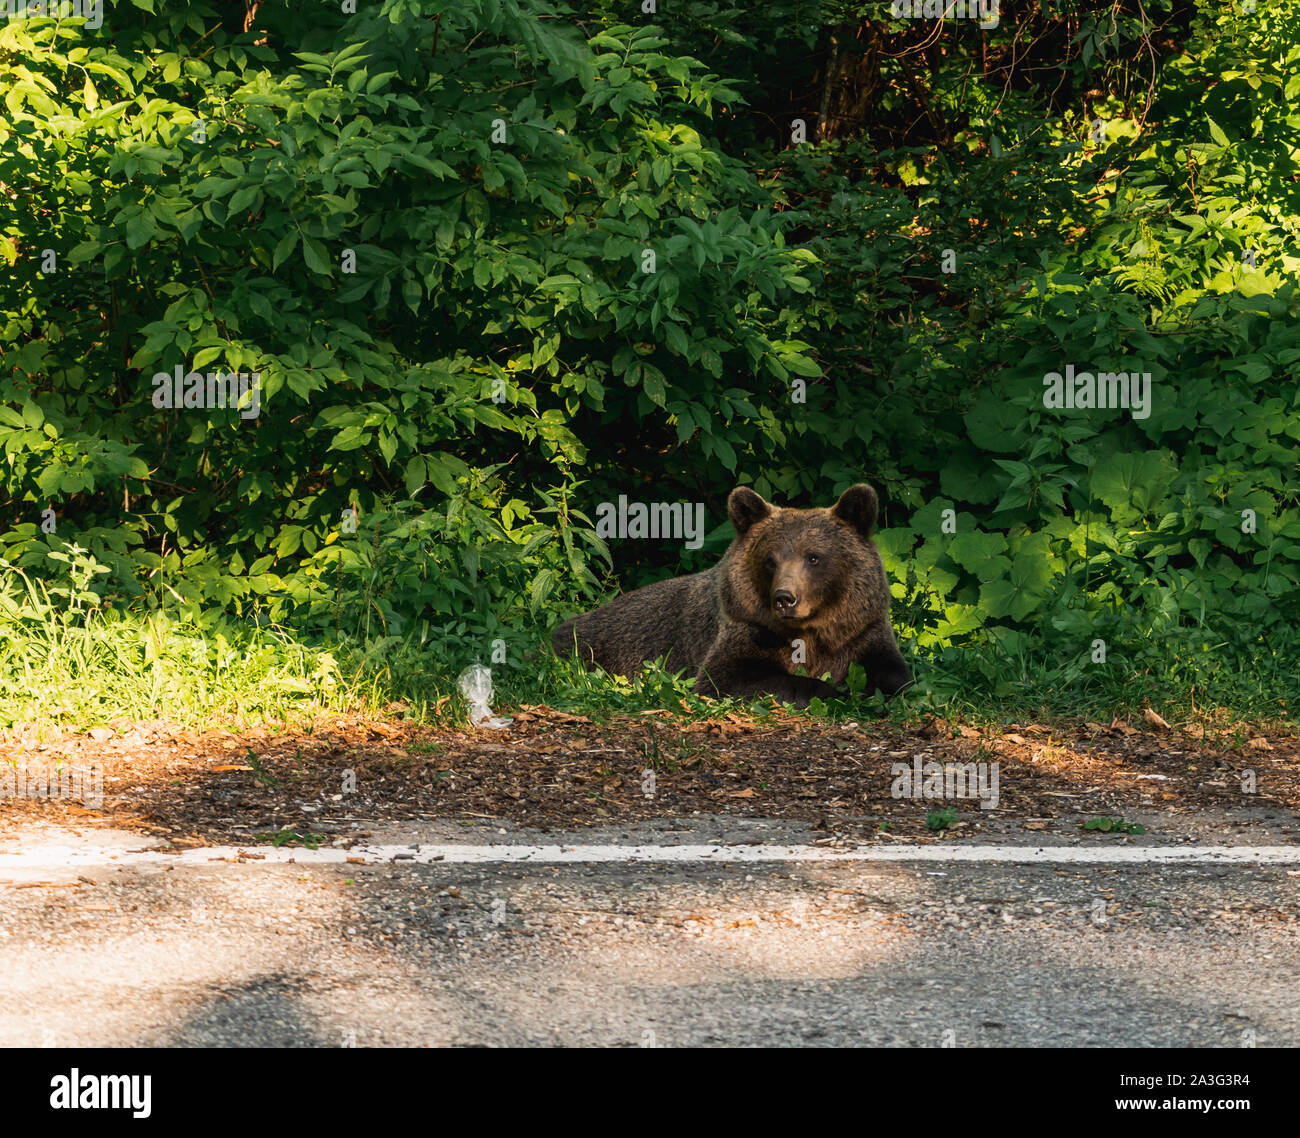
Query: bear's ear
point(857, 506)
point(744, 508)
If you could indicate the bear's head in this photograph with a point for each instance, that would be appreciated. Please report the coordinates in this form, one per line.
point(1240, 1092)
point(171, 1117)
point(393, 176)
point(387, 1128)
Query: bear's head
point(803, 567)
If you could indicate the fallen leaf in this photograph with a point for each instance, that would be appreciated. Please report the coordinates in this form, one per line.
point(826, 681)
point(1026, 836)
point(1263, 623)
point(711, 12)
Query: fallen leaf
point(1154, 719)
point(46, 885)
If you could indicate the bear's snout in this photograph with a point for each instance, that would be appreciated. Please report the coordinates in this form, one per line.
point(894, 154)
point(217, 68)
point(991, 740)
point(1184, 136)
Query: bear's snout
point(785, 601)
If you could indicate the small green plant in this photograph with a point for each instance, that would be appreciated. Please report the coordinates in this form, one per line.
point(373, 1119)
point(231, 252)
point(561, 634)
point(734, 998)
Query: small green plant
point(1113, 826)
point(686, 751)
point(886, 826)
point(261, 775)
point(940, 820)
point(655, 758)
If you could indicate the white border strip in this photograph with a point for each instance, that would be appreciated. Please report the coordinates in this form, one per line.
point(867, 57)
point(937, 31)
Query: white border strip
point(68, 857)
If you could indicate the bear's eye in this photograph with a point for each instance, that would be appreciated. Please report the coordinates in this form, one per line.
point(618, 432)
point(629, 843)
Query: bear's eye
point(769, 561)
point(814, 558)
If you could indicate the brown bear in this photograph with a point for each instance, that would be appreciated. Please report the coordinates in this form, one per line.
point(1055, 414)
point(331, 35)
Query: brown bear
point(796, 587)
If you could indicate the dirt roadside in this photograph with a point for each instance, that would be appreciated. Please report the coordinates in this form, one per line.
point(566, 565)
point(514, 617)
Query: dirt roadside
point(554, 770)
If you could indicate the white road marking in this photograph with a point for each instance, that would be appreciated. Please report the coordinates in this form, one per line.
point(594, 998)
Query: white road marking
point(51, 857)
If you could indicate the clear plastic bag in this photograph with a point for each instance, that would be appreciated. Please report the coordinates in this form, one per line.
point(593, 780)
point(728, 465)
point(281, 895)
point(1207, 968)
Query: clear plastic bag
point(476, 686)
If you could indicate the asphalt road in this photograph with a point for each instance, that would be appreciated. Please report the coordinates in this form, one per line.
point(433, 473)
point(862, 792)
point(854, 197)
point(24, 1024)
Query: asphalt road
point(396, 952)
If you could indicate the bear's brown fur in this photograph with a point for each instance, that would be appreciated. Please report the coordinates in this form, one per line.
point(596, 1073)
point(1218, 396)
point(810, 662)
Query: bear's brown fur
point(796, 587)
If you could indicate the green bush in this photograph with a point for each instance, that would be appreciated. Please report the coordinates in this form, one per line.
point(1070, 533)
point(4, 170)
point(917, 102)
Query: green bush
point(496, 263)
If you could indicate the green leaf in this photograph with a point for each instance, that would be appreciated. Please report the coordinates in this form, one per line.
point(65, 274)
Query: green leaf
point(413, 477)
point(1132, 484)
point(801, 365)
point(440, 473)
point(242, 199)
point(139, 230)
point(283, 248)
point(653, 384)
point(317, 258)
point(980, 553)
point(350, 438)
